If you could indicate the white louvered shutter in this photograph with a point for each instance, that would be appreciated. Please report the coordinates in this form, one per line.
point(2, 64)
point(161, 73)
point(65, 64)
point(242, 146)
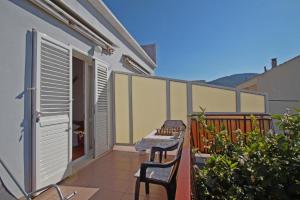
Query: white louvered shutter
point(101, 108)
point(52, 111)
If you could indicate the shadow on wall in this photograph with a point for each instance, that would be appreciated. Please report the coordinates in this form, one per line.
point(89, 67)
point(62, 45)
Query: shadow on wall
point(27, 140)
point(25, 134)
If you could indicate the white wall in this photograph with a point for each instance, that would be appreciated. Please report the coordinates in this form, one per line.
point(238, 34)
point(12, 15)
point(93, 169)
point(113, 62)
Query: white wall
point(17, 19)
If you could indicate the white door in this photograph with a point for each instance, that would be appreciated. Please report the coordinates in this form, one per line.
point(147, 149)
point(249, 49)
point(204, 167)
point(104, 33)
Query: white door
point(52, 110)
point(100, 108)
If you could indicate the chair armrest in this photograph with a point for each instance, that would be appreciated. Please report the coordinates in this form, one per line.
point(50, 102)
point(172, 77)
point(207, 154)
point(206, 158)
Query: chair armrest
point(159, 149)
point(153, 151)
point(167, 148)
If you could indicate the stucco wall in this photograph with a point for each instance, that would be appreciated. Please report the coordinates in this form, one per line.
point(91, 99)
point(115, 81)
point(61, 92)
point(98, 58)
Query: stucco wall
point(17, 19)
point(213, 99)
point(122, 108)
point(178, 101)
point(148, 105)
point(252, 102)
point(144, 103)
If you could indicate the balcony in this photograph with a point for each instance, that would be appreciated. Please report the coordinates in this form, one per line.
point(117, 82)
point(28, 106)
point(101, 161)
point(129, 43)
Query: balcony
point(111, 176)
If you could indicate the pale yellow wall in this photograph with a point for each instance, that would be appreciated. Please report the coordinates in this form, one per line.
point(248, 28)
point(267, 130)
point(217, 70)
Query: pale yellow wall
point(178, 101)
point(148, 105)
point(122, 108)
point(252, 102)
point(213, 99)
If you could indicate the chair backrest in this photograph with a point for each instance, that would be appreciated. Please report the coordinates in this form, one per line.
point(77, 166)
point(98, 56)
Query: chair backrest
point(179, 148)
point(177, 160)
point(174, 124)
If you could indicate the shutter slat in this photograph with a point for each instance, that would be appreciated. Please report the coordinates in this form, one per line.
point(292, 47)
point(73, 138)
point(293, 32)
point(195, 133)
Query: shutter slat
point(55, 55)
point(54, 75)
point(53, 89)
point(55, 80)
point(58, 69)
point(62, 86)
point(54, 63)
point(50, 58)
point(46, 48)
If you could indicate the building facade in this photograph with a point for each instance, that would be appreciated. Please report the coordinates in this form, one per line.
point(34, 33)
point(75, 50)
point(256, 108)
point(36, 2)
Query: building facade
point(56, 63)
point(281, 83)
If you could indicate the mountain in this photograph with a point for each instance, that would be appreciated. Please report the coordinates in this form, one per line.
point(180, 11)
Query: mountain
point(232, 80)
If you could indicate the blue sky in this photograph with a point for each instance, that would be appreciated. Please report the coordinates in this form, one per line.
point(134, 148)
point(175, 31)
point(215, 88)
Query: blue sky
point(207, 39)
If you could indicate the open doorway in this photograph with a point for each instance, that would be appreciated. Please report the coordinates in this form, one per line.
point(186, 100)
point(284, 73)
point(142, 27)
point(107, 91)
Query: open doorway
point(78, 95)
point(90, 107)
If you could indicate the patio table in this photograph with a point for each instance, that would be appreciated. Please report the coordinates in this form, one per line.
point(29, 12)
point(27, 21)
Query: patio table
point(152, 140)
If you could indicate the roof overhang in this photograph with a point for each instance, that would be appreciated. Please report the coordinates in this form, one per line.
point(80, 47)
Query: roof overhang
point(104, 10)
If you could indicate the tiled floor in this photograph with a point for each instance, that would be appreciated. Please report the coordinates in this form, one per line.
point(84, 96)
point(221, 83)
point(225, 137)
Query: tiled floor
point(108, 178)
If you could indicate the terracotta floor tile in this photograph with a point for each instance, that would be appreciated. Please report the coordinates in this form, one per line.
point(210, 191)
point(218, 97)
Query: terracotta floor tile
point(107, 195)
point(110, 177)
point(155, 190)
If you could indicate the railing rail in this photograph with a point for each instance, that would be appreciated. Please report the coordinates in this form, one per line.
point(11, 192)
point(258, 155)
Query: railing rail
point(184, 190)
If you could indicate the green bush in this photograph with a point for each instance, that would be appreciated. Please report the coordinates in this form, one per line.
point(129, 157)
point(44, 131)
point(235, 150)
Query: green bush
point(265, 167)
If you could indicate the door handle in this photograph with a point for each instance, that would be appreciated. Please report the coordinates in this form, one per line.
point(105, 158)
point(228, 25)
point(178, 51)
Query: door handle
point(38, 116)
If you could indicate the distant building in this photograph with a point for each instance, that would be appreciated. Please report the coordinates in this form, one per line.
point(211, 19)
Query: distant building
point(282, 84)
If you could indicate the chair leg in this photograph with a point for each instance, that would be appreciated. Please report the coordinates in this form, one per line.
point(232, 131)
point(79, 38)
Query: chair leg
point(152, 156)
point(147, 188)
point(137, 189)
point(171, 191)
point(160, 156)
point(165, 154)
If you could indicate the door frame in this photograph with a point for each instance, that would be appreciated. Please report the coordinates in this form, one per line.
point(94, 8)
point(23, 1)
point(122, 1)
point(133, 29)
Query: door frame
point(87, 65)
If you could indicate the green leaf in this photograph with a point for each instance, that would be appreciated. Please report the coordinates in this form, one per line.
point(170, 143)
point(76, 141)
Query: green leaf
point(277, 116)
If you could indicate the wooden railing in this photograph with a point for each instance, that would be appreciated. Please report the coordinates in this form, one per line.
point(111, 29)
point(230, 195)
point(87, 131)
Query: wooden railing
point(193, 139)
point(184, 189)
point(231, 122)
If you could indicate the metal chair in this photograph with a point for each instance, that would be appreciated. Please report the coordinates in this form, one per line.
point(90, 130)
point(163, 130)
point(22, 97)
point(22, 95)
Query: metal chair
point(164, 174)
point(29, 196)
